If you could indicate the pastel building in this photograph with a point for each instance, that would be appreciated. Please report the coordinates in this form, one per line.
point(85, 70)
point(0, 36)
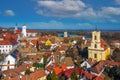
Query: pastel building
point(99, 50)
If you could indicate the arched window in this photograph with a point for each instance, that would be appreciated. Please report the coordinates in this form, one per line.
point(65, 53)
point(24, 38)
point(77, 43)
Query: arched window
point(95, 37)
point(95, 55)
point(95, 46)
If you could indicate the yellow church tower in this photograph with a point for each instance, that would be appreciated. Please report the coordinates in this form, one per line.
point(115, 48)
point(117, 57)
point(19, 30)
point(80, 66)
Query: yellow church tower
point(98, 50)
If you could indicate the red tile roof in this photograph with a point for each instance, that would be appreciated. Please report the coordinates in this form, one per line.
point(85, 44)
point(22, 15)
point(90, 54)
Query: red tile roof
point(58, 69)
point(33, 76)
point(34, 42)
point(31, 31)
point(5, 42)
point(23, 40)
point(103, 44)
point(28, 31)
point(79, 71)
point(18, 31)
point(99, 67)
point(8, 39)
point(13, 73)
point(42, 39)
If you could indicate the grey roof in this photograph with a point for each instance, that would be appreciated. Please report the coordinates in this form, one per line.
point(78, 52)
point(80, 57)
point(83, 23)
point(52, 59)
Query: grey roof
point(14, 53)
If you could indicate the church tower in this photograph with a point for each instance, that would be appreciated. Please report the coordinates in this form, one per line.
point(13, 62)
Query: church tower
point(24, 31)
point(16, 28)
point(98, 50)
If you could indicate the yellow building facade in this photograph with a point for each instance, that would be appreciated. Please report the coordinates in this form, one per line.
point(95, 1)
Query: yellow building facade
point(48, 43)
point(98, 50)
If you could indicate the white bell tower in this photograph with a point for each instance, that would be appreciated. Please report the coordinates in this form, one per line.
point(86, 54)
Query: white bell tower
point(16, 28)
point(65, 34)
point(24, 31)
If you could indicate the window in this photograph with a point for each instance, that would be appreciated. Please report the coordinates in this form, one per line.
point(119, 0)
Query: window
point(95, 37)
point(8, 65)
point(8, 62)
point(95, 46)
point(95, 55)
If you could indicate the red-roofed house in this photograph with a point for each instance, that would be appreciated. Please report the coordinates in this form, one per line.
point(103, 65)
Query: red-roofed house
point(82, 75)
point(7, 42)
point(55, 67)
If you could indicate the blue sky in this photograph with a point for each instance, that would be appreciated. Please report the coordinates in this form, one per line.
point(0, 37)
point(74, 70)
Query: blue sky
point(61, 14)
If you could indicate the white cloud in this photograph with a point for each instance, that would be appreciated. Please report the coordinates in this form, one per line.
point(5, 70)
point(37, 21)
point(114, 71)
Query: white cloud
point(65, 5)
point(9, 13)
point(108, 11)
point(117, 2)
point(65, 8)
point(85, 25)
point(77, 9)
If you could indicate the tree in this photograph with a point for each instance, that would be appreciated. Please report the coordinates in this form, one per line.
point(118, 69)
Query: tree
point(116, 55)
point(62, 78)
point(27, 72)
point(54, 76)
point(74, 76)
point(36, 65)
point(106, 78)
point(37, 46)
point(44, 60)
point(79, 63)
point(118, 71)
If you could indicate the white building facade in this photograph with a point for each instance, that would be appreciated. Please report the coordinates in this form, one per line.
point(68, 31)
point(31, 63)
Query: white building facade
point(9, 62)
point(5, 49)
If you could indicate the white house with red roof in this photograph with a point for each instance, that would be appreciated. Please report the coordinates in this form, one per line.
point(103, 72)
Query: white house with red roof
point(7, 42)
point(24, 32)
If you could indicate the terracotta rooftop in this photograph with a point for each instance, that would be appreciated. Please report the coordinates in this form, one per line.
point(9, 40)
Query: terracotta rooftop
point(5, 42)
point(103, 44)
point(67, 61)
point(33, 76)
point(28, 31)
point(8, 39)
point(98, 67)
point(31, 31)
point(15, 72)
point(57, 68)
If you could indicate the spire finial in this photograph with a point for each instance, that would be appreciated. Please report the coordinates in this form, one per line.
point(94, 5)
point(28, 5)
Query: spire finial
point(96, 29)
point(16, 24)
